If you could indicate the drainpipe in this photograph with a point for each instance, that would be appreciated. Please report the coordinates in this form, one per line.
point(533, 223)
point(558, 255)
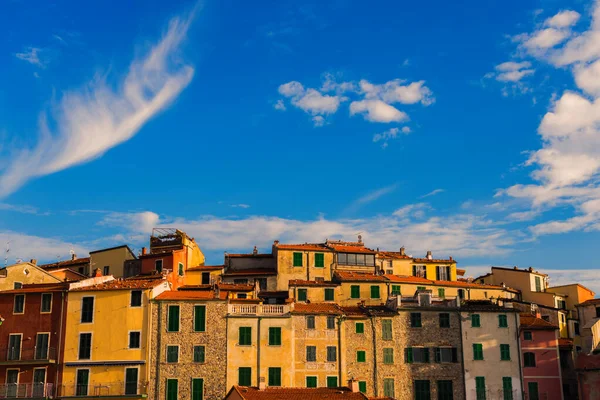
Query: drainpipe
point(339, 358)
point(258, 353)
point(374, 357)
point(462, 353)
point(517, 323)
point(59, 348)
point(158, 347)
point(148, 337)
point(307, 266)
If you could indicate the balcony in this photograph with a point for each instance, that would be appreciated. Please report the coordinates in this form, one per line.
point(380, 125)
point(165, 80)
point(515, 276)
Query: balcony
point(27, 355)
point(258, 309)
point(103, 389)
point(26, 390)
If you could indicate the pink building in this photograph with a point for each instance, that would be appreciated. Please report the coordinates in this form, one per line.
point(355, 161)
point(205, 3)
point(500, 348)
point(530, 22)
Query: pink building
point(540, 359)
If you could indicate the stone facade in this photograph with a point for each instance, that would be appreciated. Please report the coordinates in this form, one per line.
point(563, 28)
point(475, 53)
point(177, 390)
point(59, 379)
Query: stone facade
point(213, 371)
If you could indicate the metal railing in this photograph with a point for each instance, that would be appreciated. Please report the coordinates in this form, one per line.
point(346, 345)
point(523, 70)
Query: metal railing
point(27, 390)
point(258, 309)
point(103, 389)
point(27, 354)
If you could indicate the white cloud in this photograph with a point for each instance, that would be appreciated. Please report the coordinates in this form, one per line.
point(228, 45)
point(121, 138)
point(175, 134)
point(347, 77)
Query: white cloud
point(139, 222)
point(96, 118)
point(377, 111)
point(25, 247)
point(374, 195)
point(416, 210)
point(241, 205)
point(587, 77)
point(390, 134)
point(511, 71)
point(309, 100)
point(545, 39)
point(432, 193)
point(563, 19)
point(279, 105)
point(395, 92)
point(23, 209)
point(34, 56)
point(318, 120)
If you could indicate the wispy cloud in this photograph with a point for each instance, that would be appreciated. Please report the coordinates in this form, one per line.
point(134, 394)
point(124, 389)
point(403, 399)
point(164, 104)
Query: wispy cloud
point(241, 205)
point(34, 56)
point(23, 209)
point(433, 193)
point(370, 197)
point(25, 247)
point(90, 121)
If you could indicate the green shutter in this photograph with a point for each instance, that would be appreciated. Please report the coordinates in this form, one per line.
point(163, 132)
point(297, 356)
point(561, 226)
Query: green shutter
point(361, 356)
point(362, 386)
point(375, 292)
point(386, 329)
point(329, 294)
point(245, 335)
point(297, 259)
point(332, 382)
point(444, 320)
point(475, 321)
point(180, 269)
point(504, 352)
point(388, 387)
point(408, 355)
point(396, 290)
point(172, 354)
point(415, 320)
point(360, 327)
point(311, 381)
point(172, 389)
point(533, 391)
point(197, 389)
point(422, 390)
point(442, 293)
point(355, 292)
point(302, 294)
point(319, 260)
point(527, 335)
point(502, 321)
point(477, 351)
point(199, 354)
point(274, 376)
point(173, 319)
point(199, 318)
point(388, 356)
point(445, 391)
point(274, 336)
point(480, 387)
point(507, 388)
point(245, 376)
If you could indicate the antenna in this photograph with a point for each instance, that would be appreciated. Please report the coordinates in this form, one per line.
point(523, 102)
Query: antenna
point(6, 253)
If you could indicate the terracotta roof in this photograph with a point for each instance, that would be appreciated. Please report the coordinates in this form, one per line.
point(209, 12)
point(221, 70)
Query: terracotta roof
point(195, 287)
point(353, 311)
point(274, 293)
point(529, 321)
point(434, 260)
point(515, 269)
point(460, 272)
point(305, 246)
point(587, 362)
point(67, 271)
point(565, 343)
point(206, 268)
point(341, 248)
point(66, 263)
point(250, 271)
point(300, 282)
point(158, 254)
point(282, 393)
point(122, 284)
point(459, 284)
point(250, 255)
point(191, 295)
point(235, 287)
point(407, 279)
point(393, 254)
point(38, 288)
point(589, 302)
point(350, 276)
point(574, 284)
point(316, 308)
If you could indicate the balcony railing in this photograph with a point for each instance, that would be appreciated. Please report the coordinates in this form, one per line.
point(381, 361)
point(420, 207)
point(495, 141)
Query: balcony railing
point(258, 309)
point(103, 389)
point(16, 354)
point(494, 394)
point(27, 390)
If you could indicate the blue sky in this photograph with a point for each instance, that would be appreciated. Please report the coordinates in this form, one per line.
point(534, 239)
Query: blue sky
point(472, 132)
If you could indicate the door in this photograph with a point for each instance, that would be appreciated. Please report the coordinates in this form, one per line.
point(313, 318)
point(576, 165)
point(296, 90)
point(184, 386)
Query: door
point(83, 378)
point(131, 380)
point(533, 391)
point(12, 382)
point(41, 346)
point(14, 347)
point(197, 389)
point(39, 382)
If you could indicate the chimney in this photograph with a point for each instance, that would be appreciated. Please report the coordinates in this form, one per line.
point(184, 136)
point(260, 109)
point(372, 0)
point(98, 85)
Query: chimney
point(254, 251)
point(73, 256)
point(143, 251)
point(262, 385)
point(450, 258)
point(353, 385)
point(276, 243)
point(359, 238)
point(97, 273)
point(530, 269)
point(33, 261)
point(538, 314)
point(429, 255)
point(402, 251)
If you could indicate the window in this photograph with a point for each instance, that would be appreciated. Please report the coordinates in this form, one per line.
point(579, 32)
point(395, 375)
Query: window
point(538, 284)
point(158, 265)
point(14, 347)
point(85, 346)
point(355, 292)
point(83, 378)
point(206, 278)
point(529, 359)
point(356, 259)
point(388, 356)
point(507, 388)
point(87, 309)
point(421, 288)
point(240, 281)
point(415, 320)
point(533, 391)
point(19, 306)
point(420, 270)
point(576, 328)
point(422, 390)
point(359, 327)
point(461, 294)
point(274, 376)
point(172, 389)
point(442, 273)
point(311, 381)
point(105, 270)
point(274, 336)
point(199, 354)
point(389, 271)
point(245, 338)
point(197, 389)
point(199, 318)
point(131, 381)
point(41, 346)
point(562, 304)
point(420, 354)
point(46, 306)
point(319, 279)
point(445, 391)
point(302, 294)
point(328, 294)
point(311, 353)
point(297, 259)
point(502, 321)
point(597, 312)
point(442, 293)
point(242, 296)
point(330, 322)
point(475, 321)
point(134, 340)
point(362, 386)
point(172, 354)
point(444, 320)
point(527, 335)
point(319, 260)
point(388, 387)
point(546, 318)
point(480, 387)
point(477, 351)
point(310, 322)
point(245, 376)
point(445, 354)
point(262, 283)
point(39, 379)
point(505, 352)
point(136, 298)
point(331, 353)
point(396, 290)
point(386, 329)
point(180, 269)
point(173, 319)
point(332, 382)
point(375, 292)
point(361, 356)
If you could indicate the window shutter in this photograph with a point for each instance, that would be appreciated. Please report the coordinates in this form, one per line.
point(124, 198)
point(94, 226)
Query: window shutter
point(408, 355)
point(437, 355)
point(426, 354)
point(199, 318)
point(437, 273)
point(448, 269)
point(454, 355)
point(414, 270)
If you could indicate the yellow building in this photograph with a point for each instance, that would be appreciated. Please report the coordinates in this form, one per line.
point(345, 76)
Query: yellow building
point(107, 341)
point(111, 261)
point(17, 275)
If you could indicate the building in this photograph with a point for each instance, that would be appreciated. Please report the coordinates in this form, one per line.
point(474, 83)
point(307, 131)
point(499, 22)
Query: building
point(79, 265)
point(107, 339)
point(16, 275)
point(188, 359)
point(542, 377)
point(112, 261)
point(490, 342)
point(267, 393)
